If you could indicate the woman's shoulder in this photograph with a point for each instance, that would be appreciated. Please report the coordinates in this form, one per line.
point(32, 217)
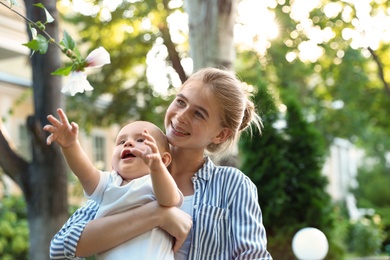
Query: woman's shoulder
point(224, 173)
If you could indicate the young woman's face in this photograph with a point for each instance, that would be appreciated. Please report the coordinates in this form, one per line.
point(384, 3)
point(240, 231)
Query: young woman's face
point(192, 121)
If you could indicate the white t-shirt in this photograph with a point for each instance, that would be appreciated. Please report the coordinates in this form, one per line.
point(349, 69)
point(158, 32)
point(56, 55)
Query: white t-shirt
point(188, 206)
point(113, 199)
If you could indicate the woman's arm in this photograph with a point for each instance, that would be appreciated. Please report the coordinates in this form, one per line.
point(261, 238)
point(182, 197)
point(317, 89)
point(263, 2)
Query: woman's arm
point(83, 236)
point(63, 245)
point(105, 233)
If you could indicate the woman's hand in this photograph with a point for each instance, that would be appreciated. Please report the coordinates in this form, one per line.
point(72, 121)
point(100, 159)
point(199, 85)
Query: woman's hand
point(177, 223)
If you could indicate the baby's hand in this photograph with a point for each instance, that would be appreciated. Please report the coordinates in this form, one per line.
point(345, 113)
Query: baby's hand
point(61, 131)
point(151, 154)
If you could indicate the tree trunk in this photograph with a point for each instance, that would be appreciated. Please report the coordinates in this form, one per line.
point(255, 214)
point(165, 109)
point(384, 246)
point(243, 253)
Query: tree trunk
point(211, 38)
point(43, 180)
point(211, 31)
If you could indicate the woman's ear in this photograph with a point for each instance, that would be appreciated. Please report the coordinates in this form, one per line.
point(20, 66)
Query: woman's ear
point(222, 136)
point(166, 158)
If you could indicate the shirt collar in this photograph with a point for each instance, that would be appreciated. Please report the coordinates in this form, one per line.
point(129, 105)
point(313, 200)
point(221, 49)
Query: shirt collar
point(206, 170)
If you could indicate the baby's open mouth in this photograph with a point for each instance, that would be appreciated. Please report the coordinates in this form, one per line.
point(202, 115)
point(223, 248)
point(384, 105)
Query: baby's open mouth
point(127, 154)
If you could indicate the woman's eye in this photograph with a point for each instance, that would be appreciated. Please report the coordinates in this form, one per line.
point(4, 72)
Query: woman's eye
point(180, 102)
point(198, 114)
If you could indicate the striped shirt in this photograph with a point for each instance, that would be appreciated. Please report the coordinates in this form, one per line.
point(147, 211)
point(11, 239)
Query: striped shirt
point(227, 219)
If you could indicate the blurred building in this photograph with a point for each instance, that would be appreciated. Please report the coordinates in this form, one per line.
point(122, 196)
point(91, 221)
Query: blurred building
point(341, 170)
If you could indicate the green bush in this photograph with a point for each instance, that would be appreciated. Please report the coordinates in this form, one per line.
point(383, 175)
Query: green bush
point(373, 192)
point(365, 236)
point(286, 166)
point(14, 232)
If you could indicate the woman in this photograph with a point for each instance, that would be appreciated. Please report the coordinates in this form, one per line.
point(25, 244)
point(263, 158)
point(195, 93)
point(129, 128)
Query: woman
point(207, 116)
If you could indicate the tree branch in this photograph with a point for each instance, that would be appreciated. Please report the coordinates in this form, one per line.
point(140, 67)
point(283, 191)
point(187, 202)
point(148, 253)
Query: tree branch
point(172, 53)
point(380, 70)
point(12, 164)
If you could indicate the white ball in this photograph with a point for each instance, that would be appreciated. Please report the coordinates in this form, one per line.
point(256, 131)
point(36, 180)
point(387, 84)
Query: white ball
point(310, 244)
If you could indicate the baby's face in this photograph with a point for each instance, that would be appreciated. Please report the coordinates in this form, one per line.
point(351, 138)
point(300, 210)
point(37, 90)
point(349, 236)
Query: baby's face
point(124, 161)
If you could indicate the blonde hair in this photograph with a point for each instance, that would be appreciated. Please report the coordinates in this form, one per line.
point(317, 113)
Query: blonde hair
point(236, 109)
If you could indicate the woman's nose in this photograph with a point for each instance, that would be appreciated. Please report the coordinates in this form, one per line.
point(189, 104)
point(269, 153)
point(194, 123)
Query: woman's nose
point(182, 117)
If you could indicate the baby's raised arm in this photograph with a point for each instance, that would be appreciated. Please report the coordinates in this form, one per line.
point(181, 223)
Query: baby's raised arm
point(66, 134)
point(164, 186)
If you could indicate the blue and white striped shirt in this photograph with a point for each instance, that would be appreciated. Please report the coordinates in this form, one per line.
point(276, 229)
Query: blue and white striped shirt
point(227, 219)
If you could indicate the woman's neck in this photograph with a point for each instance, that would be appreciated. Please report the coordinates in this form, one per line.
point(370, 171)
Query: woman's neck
point(185, 163)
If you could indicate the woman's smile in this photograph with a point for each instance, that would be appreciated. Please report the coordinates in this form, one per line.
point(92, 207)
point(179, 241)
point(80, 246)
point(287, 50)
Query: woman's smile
point(178, 130)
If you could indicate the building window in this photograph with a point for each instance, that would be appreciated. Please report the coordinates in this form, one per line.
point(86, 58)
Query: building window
point(99, 152)
point(24, 146)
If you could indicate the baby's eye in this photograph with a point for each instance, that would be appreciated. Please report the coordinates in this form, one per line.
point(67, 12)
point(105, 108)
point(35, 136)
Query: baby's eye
point(140, 140)
point(121, 142)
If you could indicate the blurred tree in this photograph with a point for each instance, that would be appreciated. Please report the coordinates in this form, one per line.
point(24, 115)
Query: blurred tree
point(285, 163)
point(43, 179)
point(343, 90)
point(211, 32)
point(121, 90)
point(344, 79)
point(127, 91)
point(373, 192)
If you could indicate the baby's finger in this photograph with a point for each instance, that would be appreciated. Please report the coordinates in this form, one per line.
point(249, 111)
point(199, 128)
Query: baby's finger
point(63, 117)
point(136, 152)
point(153, 156)
point(152, 145)
point(74, 127)
point(49, 139)
point(148, 136)
point(53, 120)
point(48, 128)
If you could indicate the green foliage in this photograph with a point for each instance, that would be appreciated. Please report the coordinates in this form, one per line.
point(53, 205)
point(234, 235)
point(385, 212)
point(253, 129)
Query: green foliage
point(38, 44)
point(373, 191)
point(338, 235)
point(342, 95)
point(365, 236)
point(285, 164)
point(128, 94)
point(342, 92)
point(14, 232)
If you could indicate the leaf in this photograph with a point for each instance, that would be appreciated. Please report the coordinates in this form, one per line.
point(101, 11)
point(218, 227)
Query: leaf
point(64, 71)
point(68, 42)
point(49, 18)
point(38, 44)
